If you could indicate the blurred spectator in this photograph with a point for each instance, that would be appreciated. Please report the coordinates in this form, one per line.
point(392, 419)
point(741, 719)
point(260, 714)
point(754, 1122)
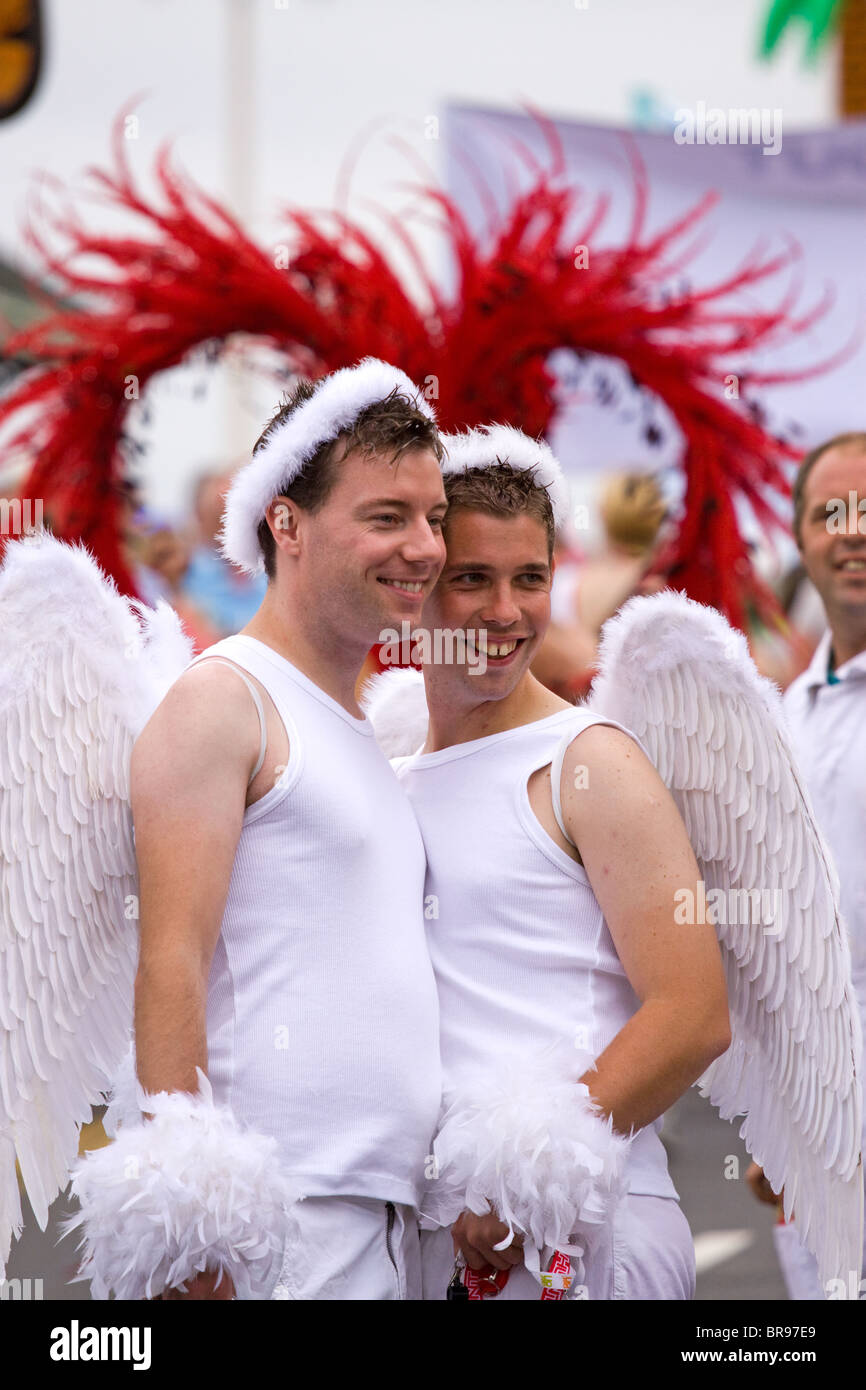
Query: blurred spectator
point(825, 708)
point(226, 598)
point(159, 557)
point(632, 513)
point(586, 592)
point(166, 554)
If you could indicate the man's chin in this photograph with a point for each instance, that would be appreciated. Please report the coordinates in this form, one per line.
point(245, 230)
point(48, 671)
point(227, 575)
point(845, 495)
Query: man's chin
point(495, 681)
point(847, 591)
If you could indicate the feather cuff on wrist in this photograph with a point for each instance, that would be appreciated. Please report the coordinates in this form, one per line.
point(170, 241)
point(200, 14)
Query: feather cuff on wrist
point(171, 1196)
point(532, 1145)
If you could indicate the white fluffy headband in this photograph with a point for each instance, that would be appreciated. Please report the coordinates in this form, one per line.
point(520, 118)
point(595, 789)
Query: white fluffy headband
point(338, 401)
point(489, 444)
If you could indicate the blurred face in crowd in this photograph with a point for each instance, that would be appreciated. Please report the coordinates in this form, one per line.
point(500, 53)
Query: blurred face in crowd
point(166, 552)
point(210, 500)
point(834, 552)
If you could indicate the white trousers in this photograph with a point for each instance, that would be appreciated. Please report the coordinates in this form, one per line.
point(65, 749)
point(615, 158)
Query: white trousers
point(351, 1248)
point(647, 1253)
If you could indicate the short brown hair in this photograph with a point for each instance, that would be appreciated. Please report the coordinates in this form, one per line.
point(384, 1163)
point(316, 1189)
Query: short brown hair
point(798, 491)
point(500, 490)
point(394, 423)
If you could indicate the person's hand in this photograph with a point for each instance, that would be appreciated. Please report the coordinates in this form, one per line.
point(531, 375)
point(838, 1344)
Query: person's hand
point(475, 1237)
point(760, 1187)
point(201, 1286)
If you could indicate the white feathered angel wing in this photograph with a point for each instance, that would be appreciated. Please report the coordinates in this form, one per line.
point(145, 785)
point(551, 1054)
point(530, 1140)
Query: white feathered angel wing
point(677, 675)
point(79, 677)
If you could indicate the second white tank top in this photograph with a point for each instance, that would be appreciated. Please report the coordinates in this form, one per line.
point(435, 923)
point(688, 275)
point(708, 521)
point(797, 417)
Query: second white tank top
point(522, 954)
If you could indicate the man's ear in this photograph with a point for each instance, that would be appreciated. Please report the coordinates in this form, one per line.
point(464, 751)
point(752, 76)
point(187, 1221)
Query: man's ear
point(283, 517)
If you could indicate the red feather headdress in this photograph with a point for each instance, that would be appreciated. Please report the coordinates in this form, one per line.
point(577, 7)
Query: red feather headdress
point(195, 278)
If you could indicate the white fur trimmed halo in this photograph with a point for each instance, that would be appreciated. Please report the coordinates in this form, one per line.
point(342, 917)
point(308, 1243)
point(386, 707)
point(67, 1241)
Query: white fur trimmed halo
point(186, 1190)
point(335, 406)
point(527, 1140)
point(490, 444)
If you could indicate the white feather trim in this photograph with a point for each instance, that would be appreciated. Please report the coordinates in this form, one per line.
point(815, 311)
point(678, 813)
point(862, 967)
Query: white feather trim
point(338, 401)
point(396, 705)
point(489, 444)
point(186, 1190)
point(528, 1141)
point(123, 1106)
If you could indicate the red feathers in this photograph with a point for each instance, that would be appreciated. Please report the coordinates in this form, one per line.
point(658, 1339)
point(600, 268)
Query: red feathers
point(194, 277)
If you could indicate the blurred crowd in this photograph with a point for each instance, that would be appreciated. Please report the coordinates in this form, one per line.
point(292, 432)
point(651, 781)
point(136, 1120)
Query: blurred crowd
point(182, 563)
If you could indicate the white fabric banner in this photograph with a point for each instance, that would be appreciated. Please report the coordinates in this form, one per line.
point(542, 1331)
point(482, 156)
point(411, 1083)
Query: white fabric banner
point(813, 190)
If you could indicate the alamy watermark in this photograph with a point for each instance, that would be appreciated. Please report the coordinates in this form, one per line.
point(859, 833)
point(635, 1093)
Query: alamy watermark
point(751, 125)
point(77, 1343)
point(441, 646)
point(734, 906)
point(847, 518)
point(20, 516)
point(21, 1290)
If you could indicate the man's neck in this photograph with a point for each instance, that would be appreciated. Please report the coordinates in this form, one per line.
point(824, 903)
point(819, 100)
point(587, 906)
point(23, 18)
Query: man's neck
point(451, 722)
point(328, 660)
point(848, 637)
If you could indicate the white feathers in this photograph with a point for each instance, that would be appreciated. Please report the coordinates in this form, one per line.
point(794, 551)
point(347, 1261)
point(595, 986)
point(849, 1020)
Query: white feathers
point(338, 401)
point(123, 1106)
point(489, 444)
point(185, 1190)
point(396, 706)
point(527, 1140)
point(677, 674)
point(79, 677)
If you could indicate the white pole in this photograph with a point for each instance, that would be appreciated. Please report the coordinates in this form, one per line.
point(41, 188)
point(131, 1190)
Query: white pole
point(240, 112)
point(240, 147)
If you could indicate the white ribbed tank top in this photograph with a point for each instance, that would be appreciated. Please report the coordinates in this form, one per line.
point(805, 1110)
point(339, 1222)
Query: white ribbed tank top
point(522, 954)
point(322, 1017)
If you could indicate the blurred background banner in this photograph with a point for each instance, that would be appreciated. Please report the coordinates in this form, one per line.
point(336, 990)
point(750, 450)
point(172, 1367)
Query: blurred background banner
point(812, 193)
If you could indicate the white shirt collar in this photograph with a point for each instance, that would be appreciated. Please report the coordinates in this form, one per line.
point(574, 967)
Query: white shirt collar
point(816, 671)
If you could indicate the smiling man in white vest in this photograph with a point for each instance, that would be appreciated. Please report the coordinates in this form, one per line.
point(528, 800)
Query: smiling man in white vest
point(283, 952)
point(552, 845)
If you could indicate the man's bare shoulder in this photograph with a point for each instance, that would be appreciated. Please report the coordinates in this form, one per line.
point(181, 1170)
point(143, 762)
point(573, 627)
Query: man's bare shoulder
point(207, 715)
point(604, 741)
point(601, 761)
point(616, 806)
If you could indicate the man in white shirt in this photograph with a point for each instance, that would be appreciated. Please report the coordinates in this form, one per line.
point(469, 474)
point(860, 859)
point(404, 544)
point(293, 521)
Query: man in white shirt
point(283, 951)
point(826, 712)
point(551, 928)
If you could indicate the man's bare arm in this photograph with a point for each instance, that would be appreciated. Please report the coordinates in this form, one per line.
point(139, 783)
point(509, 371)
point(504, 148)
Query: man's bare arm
point(190, 769)
point(637, 854)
